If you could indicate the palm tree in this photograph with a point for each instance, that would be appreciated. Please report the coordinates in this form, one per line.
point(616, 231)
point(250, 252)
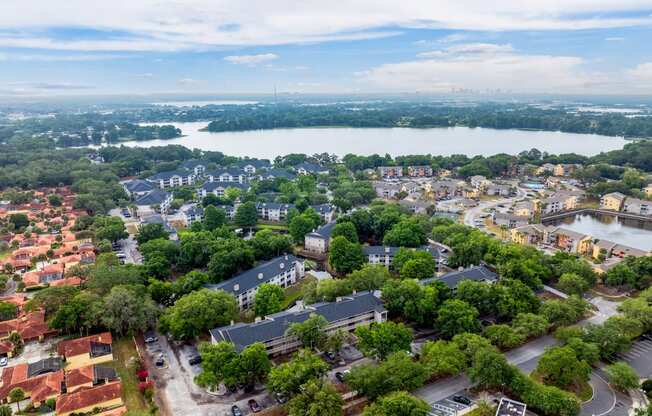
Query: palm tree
point(16, 396)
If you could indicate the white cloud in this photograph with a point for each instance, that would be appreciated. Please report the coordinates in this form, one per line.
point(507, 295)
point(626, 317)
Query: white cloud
point(641, 73)
point(60, 58)
point(251, 60)
point(455, 37)
point(614, 39)
point(484, 66)
point(166, 25)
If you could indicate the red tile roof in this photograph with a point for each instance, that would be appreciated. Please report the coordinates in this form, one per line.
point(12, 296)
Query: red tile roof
point(39, 388)
point(31, 327)
point(79, 377)
point(88, 397)
point(79, 346)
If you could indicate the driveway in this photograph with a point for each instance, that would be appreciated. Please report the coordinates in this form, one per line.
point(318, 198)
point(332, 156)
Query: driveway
point(130, 247)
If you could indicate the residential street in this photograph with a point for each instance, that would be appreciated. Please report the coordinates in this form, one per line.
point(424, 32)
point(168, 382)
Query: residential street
point(526, 358)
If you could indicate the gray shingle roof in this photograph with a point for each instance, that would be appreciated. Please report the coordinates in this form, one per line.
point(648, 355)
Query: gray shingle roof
point(169, 174)
point(138, 185)
point(211, 186)
point(310, 167)
point(274, 205)
point(323, 208)
point(257, 163)
point(154, 197)
point(256, 276)
point(191, 164)
point(379, 250)
point(274, 326)
point(279, 173)
point(229, 171)
point(324, 231)
point(452, 279)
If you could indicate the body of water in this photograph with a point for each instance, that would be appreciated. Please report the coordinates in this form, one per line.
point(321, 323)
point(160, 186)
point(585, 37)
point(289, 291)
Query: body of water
point(633, 233)
point(395, 141)
point(204, 103)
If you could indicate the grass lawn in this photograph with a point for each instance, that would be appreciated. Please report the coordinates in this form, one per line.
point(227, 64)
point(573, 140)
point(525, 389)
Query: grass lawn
point(124, 352)
point(582, 390)
point(295, 292)
point(271, 227)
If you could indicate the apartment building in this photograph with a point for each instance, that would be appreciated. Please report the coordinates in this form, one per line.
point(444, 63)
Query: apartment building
point(273, 211)
point(172, 179)
point(283, 271)
point(227, 175)
point(637, 206)
point(319, 240)
point(612, 201)
point(218, 188)
point(390, 172)
point(419, 171)
point(346, 313)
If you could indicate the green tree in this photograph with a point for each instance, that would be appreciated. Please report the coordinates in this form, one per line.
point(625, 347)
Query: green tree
point(622, 376)
point(299, 226)
point(399, 403)
point(219, 365)
point(19, 221)
point(5, 410)
point(420, 266)
point(490, 369)
point(8, 311)
point(317, 398)
point(213, 218)
point(229, 257)
point(148, 232)
point(398, 372)
point(560, 367)
point(197, 312)
point(287, 378)
point(253, 364)
point(160, 247)
point(269, 299)
point(455, 317)
point(503, 336)
point(530, 325)
point(17, 395)
point(442, 358)
point(345, 256)
point(128, 309)
point(267, 244)
point(345, 229)
point(246, 215)
point(572, 284)
point(382, 339)
point(311, 332)
point(406, 233)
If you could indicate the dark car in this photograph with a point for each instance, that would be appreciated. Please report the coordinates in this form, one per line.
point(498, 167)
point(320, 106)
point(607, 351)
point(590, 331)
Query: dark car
point(160, 362)
point(330, 356)
point(340, 376)
point(150, 337)
point(254, 406)
point(194, 360)
point(462, 400)
point(235, 410)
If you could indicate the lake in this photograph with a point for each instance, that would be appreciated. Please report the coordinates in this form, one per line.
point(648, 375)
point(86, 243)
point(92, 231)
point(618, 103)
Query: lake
point(633, 233)
point(395, 141)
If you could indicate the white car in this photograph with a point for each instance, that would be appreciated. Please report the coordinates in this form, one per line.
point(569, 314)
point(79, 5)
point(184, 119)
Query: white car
point(3, 361)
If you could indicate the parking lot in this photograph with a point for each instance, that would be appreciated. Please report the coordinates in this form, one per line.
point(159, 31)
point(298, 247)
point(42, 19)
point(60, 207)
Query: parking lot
point(639, 355)
point(452, 404)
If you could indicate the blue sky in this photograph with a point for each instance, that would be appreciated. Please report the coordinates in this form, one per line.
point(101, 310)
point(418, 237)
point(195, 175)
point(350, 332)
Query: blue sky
point(50, 47)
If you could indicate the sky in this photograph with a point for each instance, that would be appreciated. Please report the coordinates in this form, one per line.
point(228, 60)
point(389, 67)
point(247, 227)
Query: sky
point(65, 47)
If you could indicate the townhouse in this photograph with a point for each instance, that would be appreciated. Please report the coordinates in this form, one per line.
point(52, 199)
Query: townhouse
point(198, 167)
point(444, 189)
point(479, 182)
point(345, 314)
point(529, 235)
point(387, 190)
point(227, 175)
point(153, 201)
point(172, 179)
point(273, 211)
point(390, 172)
point(384, 255)
point(557, 203)
point(283, 271)
point(570, 241)
point(509, 220)
point(498, 190)
point(106, 398)
point(318, 241)
point(419, 171)
point(546, 168)
point(612, 201)
point(564, 169)
point(637, 206)
point(31, 326)
point(326, 212)
point(417, 207)
point(452, 279)
point(137, 187)
point(307, 168)
point(526, 208)
point(90, 350)
point(272, 174)
point(252, 166)
point(218, 188)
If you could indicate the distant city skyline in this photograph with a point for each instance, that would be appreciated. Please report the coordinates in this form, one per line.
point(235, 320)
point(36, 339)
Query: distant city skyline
point(70, 47)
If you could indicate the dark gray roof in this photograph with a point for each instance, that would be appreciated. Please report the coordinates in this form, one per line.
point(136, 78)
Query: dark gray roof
point(211, 186)
point(169, 174)
point(138, 185)
point(101, 373)
point(452, 279)
point(257, 163)
point(279, 173)
point(155, 197)
point(229, 171)
point(323, 208)
point(379, 250)
point(256, 276)
point(273, 205)
point(274, 326)
point(324, 231)
point(194, 210)
point(158, 219)
point(191, 164)
point(311, 167)
point(99, 349)
point(48, 365)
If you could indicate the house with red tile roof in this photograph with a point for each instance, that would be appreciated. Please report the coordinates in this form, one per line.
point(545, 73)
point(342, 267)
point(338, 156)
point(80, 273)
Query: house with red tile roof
point(81, 352)
point(107, 397)
point(40, 381)
point(31, 327)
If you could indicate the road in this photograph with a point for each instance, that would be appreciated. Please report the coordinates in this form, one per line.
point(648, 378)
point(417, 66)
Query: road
point(471, 214)
point(526, 357)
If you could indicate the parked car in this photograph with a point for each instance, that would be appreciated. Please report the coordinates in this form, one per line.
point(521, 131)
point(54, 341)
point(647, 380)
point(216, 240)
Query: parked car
point(341, 375)
point(194, 360)
point(160, 362)
point(150, 337)
point(462, 400)
point(280, 398)
point(235, 411)
point(3, 361)
point(254, 406)
point(330, 356)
